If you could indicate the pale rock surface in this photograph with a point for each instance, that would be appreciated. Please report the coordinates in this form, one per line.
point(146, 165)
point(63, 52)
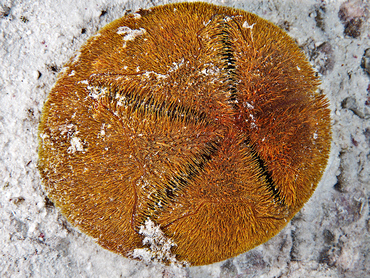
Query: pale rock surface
point(328, 238)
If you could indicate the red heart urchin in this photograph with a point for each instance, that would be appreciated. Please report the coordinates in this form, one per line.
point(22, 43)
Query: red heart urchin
point(189, 132)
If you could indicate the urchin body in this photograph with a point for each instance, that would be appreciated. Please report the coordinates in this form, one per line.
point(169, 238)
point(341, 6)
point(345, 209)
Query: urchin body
point(201, 119)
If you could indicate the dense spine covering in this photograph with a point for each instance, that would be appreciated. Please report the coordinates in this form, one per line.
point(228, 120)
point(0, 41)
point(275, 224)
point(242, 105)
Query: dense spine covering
point(199, 121)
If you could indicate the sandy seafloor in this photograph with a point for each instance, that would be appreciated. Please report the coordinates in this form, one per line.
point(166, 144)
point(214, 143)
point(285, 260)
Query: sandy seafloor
point(329, 237)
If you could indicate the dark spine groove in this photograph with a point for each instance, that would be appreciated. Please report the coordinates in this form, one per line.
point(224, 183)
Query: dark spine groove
point(192, 169)
point(162, 197)
point(149, 106)
point(229, 60)
point(230, 67)
point(265, 173)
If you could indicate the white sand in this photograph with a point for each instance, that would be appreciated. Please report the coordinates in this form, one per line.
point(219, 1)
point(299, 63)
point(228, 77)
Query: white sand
point(328, 238)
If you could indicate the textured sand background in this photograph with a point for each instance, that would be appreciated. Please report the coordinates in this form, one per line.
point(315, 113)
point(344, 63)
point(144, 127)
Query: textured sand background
point(328, 238)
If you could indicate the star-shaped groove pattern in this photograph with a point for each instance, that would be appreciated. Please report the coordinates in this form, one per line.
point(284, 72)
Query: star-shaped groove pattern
point(203, 120)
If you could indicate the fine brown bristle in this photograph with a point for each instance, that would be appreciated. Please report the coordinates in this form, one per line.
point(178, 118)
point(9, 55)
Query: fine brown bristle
point(201, 120)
